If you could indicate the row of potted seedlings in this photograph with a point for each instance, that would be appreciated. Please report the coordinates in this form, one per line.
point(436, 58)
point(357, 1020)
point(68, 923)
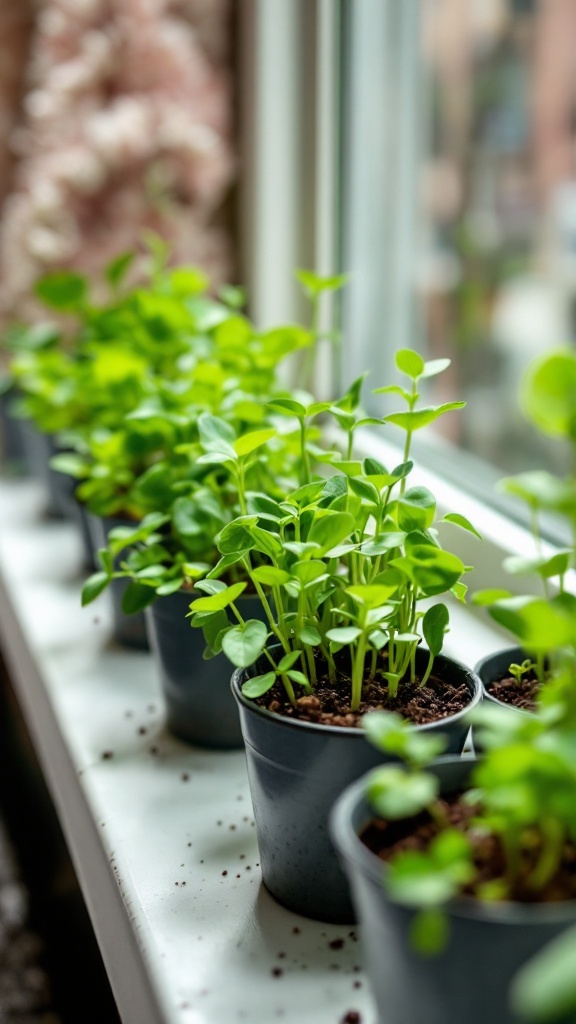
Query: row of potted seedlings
point(248, 538)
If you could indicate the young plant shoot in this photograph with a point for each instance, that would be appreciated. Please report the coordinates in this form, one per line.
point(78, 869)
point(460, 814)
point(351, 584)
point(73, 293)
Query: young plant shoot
point(342, 564)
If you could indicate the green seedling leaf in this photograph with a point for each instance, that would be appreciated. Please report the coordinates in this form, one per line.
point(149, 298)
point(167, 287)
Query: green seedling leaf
point(395, 793)
point(416, 419)
point(214, 430)
point(548, 393)
point(236, 536)
point(382, 543)
point(544, 990)
point(288, 661)
point(541, 490)
point(371, 595)
point(393, 389)
point(351, 400)
point(259, 685)
point(344, 634)
point(136, 597)
point(434, 571)
point(556, 565)
point(416, 509)
point(484, 598)
point(331, 529)
point(434, 627)
point(314, 285)
point(288, 406)
point(243, 644)
point(170, 587)
point(250, 442)
point(429, 931)
point(222, 599)
point(116, 270)
point(62, 290)
point(458, 520)
point(94, 586)
point(270, 576)
point(310, 636)
point(409, 362)
point(211, 586)
point(365, 489)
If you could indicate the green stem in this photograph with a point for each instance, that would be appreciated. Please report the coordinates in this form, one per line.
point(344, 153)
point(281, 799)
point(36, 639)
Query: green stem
point(552, 834)
point(358, 672)
point(305, 472)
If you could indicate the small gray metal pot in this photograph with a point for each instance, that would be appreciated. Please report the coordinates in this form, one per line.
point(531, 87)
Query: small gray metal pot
point(200, 707)
point(128, 630)
point(469, 981)
point(495, 666)
point(296, 772)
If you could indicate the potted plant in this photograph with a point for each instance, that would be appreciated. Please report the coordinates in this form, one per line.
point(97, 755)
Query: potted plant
point(342, 566)
point(463, 869)
point(541, 625)
point(213, 430)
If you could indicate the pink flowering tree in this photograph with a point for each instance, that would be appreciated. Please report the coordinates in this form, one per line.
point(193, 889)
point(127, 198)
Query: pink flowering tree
point(127, 128)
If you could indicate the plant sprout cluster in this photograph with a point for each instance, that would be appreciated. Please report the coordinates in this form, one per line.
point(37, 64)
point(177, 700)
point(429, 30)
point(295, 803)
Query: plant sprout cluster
point(545, 625)
point(341, 565)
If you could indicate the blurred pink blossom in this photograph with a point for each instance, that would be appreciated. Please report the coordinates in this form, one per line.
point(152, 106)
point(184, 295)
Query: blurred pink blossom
point(127, 127)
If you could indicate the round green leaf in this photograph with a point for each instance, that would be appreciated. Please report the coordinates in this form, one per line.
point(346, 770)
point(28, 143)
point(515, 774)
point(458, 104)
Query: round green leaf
point(410, 363)
point(222, 599)
point(243, 644)
point(259, 685)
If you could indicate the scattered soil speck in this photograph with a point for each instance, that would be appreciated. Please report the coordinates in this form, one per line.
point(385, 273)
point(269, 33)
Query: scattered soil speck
point(238, 876)
point(224, 873)
point(357, 984)
point(277, 972)
point(242, 856)
point(352, 1017)
point(353, 936)
point(185, 776)
point(142, 730)
point(153, 750)
point(219, 823)
point(336, 944)
point(189, 844)
point(107, 754)
point(281, 956)
point(232, 828)
point(295, 930)
point(96, 621)
point(248, 867)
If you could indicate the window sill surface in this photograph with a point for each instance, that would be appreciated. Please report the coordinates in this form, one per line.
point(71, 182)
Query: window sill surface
point(161, 834)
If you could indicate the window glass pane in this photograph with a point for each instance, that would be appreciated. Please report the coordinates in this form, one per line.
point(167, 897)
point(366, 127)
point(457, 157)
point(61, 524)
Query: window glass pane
point(496, 251)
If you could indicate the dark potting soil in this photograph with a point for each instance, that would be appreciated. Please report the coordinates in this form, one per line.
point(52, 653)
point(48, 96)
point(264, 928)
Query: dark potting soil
point(519, 694)
point(330, 703)
point(388, 838)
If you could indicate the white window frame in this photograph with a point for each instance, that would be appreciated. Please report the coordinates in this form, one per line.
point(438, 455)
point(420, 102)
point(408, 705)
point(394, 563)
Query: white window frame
point(293, 155)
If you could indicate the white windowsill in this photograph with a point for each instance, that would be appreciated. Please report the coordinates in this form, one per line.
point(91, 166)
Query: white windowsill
point(182, 942)
point(154, 825)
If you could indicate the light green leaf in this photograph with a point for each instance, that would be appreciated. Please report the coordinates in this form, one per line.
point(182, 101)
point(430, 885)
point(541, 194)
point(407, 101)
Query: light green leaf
point(258, 685)
point(458, 520)
point(222, 599)
point(243, 644)
point(409, 362)
point(250, 442)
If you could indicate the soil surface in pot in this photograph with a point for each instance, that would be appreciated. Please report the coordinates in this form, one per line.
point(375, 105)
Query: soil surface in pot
point(330, 703)
point(388, 838)
point(520, 694)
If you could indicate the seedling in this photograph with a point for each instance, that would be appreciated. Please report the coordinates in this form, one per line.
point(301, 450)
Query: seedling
point(521, 794)
point(341, 566)
point(544, 626)
point(518, 671)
